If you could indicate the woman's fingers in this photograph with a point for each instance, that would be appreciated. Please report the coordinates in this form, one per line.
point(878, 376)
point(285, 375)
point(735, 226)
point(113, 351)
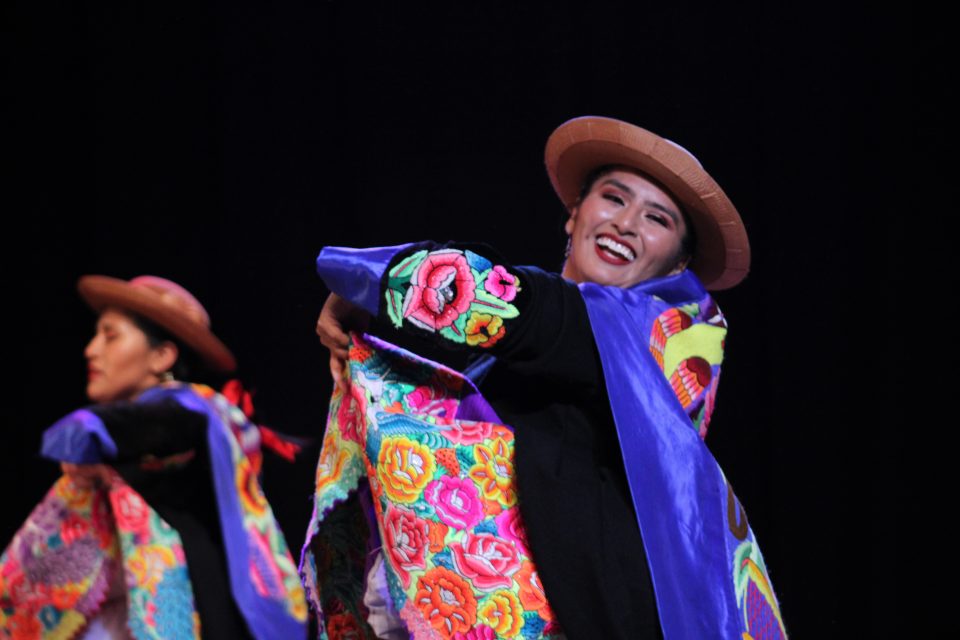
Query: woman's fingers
point(338, 370)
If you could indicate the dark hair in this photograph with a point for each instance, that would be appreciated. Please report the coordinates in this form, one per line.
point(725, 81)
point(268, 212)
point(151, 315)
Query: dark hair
point(187, 365)
point(688, 243)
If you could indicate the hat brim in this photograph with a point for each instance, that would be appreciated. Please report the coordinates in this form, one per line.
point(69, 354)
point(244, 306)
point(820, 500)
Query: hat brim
point(101, 292)
point(581, 145)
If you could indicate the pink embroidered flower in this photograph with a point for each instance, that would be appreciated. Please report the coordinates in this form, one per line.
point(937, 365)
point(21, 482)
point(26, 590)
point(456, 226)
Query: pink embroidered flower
point(462, 432)
point(266, 574)
point(405, 540)
point(486, 561)
point(479, 632)
point(443, 288)
point(351, 416)
point(501, 283)
point(456, 500)
point(510, 527)
point(431, 401)
point(130, 511)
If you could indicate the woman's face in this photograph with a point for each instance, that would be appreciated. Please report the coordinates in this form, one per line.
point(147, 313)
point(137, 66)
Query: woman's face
point(120, 361)
point(624, 231)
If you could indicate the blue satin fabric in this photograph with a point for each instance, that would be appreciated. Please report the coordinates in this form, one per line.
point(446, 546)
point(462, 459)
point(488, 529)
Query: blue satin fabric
point(83, 431)
point(355, 273)
point(79, 438)
point(678, 490)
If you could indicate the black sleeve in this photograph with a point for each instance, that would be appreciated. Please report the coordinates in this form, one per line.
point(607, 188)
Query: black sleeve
point(158, 429)
point(466, 297)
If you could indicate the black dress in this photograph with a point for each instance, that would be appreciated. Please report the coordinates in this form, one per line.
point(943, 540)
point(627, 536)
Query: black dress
point(547, 383)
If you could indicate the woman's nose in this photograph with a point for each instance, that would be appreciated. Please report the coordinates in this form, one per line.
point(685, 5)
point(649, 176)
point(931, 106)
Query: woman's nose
point(90, 350)
point(625, 222)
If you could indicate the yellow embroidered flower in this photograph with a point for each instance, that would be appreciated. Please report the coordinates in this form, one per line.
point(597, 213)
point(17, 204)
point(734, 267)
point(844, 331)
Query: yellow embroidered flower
point(249, 488)
point(147, 564)
point(404, 468)
point(484, 329)
point(332, 460)
point(494, 472)
point(502, 612)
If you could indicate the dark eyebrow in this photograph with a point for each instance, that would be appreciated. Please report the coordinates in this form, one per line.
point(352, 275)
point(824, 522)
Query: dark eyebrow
point(653, 205)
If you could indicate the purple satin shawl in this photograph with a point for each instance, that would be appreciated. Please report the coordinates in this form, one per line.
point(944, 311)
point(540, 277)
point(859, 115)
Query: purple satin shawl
point(678, 490)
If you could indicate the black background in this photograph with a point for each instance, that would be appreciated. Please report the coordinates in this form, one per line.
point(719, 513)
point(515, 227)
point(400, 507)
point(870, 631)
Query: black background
point(222, 145)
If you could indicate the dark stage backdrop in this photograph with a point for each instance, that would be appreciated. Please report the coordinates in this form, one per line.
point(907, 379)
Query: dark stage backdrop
point(222, 145)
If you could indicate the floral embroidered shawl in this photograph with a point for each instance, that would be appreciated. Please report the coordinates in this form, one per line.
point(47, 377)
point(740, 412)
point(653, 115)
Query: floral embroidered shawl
point(54, 575)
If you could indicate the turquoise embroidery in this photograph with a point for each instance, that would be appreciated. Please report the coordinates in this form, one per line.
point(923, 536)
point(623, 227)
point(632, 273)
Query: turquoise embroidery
point(459, 294)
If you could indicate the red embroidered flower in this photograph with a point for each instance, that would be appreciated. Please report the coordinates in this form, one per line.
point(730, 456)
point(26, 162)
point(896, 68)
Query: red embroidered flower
point(443, 289)
point(73, 528)
point(406, 541)
point(501, 283)
point(463, 432)
point(351, 416)
point(446, 601)
point(130, 510)
point(486, 560)
point(25, 626)
point(343, 626)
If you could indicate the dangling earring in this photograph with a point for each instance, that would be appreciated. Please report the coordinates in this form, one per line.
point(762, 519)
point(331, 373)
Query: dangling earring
point(566, 251)
point(167, 376)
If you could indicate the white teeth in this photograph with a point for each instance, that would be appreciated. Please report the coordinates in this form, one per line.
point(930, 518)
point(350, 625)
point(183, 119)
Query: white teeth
point(621, 250)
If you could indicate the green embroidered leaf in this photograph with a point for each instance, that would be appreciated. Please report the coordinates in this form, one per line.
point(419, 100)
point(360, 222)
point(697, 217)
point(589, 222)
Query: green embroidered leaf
point(491, 304)
point(456, 332)
point(405, 268)
point(395, 307)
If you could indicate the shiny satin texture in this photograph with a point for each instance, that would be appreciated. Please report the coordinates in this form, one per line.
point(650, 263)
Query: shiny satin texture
point(356, 271)
point(678, 490)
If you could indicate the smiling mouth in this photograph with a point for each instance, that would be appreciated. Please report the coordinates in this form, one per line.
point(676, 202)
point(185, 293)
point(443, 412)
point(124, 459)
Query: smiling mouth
point(607, 246)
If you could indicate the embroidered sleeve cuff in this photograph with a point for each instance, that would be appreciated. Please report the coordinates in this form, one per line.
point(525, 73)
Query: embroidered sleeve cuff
point(79, 438)
point(356, 274)
point(457, 294)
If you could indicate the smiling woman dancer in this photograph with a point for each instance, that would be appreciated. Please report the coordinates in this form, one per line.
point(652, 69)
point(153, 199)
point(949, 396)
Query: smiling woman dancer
point(606, 375)
point(158, 529)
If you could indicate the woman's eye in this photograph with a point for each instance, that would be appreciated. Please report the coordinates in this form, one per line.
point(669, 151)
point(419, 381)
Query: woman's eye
point(661, 220)
point(612, 197)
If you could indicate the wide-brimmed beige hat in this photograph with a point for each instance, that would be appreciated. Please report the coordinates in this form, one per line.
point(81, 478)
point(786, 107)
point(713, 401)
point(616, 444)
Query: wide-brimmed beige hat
point(579, 146)
point(167, 304)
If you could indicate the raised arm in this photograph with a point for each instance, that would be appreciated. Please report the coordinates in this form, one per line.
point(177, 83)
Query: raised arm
point(461, 296)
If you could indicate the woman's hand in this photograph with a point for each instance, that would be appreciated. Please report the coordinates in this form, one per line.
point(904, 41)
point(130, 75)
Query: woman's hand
point(89, 476)
point(337, 318)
